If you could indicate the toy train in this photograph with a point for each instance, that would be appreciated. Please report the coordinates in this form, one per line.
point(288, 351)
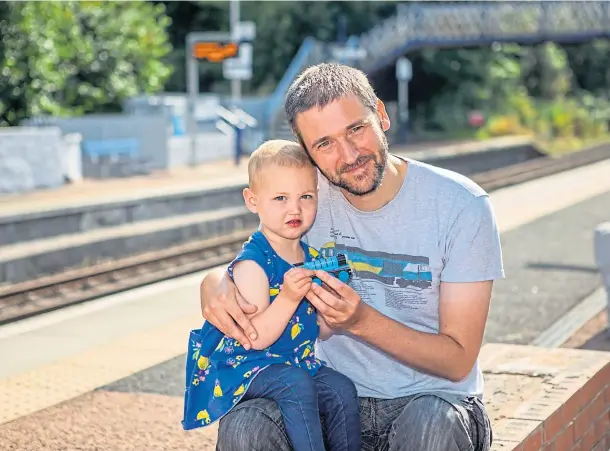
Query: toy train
point(336, 266)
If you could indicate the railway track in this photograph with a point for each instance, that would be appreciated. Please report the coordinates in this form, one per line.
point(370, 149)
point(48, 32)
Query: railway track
point(23, 300)
point(539, 167)
point(26, 299)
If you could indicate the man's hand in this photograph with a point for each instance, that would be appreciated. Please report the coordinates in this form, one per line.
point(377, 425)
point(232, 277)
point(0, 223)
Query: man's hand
point(224, 307)
point(297, 282)
point(341, 309)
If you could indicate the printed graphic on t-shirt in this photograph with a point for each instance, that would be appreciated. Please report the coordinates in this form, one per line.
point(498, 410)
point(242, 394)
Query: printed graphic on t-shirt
point(402, 277)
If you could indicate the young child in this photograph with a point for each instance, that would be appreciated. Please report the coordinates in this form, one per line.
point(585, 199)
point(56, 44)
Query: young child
point(282, 365)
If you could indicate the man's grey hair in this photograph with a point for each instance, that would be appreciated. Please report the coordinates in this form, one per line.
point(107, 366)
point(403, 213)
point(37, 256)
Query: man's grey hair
point(322, 84)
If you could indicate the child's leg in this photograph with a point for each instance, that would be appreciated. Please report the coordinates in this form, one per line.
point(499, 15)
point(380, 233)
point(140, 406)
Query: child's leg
point(339, 410)
point(294, 390)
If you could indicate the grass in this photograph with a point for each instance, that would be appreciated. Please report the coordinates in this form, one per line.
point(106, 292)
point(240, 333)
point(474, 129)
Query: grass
point(562, 146)
point(554, 147)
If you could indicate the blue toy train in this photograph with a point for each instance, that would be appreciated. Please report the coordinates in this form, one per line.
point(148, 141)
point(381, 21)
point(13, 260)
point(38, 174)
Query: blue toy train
point(336, 265)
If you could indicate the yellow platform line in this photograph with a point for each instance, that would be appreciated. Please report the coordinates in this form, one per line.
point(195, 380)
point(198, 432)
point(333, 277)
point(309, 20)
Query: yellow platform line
point(65, 379)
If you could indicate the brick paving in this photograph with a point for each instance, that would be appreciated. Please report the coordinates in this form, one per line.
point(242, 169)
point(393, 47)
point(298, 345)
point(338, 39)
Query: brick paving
point(525, 387)
point(104, 421)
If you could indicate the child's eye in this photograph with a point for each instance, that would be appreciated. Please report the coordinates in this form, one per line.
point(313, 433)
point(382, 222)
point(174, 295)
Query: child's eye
point(307, 196)
point(280, 198)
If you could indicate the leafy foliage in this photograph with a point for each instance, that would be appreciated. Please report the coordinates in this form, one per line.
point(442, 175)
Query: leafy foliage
point(70, 58)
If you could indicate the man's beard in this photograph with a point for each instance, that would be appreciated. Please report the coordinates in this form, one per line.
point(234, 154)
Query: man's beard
point(380, 162)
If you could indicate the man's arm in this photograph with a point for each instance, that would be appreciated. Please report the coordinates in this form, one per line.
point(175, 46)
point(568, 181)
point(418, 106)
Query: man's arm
point(452, 352)
point(473, 262)
point(223, 306)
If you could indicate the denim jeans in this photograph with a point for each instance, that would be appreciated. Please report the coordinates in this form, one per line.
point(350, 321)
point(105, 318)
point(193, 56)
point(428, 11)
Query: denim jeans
point(425, 422)
point(316, 412)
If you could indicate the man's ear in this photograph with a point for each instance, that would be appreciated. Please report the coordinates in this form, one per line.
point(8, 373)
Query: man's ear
point(384, 119)
point(250, 199)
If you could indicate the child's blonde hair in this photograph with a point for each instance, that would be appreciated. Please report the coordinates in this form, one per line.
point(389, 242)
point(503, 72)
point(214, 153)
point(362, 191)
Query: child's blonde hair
point(278, 152)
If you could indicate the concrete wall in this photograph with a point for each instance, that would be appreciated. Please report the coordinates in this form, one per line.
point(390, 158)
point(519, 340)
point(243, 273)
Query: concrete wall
point(151, 131)
point(212, 146)
point(31, 158)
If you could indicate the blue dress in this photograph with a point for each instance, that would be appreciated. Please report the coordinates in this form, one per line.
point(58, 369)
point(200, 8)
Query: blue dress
point(219, 369)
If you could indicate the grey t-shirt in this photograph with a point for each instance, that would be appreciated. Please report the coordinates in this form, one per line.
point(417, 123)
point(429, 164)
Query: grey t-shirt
point(439, 227)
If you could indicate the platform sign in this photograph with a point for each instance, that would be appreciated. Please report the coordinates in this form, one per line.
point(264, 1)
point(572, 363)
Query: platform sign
point(239, 68)
point(245, 31)
point(214, 51)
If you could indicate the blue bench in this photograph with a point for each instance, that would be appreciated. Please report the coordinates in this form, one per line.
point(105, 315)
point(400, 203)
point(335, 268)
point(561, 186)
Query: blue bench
point(95, 149)
point(112, 158)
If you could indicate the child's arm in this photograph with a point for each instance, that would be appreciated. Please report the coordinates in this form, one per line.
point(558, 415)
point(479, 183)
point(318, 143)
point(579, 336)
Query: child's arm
point(270, 320)
point(325, 330)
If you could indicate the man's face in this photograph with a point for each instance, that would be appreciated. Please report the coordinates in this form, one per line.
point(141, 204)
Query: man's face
point(347, 142)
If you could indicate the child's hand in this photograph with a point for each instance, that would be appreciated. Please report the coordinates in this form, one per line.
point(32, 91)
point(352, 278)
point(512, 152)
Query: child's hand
point(297, 283)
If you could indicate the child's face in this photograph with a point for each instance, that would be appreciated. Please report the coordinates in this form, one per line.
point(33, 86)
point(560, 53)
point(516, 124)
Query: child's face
point(285, 199)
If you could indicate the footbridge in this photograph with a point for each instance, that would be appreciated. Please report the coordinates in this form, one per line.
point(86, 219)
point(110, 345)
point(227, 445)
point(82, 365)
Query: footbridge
point(417, 26)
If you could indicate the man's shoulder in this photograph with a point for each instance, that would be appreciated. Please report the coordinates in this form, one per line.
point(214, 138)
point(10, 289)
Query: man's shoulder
point(445, 182)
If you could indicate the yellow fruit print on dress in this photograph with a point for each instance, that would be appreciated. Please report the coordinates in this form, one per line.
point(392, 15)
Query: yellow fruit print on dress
point(296, 328)
point(218, 381)
point(217, 389)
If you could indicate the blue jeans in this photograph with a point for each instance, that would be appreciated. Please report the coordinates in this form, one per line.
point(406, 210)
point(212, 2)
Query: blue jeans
point(313, 409)
point(426, 422)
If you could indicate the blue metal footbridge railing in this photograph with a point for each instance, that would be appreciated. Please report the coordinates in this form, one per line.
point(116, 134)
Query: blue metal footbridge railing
point(416, 26)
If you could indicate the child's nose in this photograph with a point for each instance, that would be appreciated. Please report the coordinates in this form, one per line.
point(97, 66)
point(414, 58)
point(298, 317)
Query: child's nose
point(295, 207)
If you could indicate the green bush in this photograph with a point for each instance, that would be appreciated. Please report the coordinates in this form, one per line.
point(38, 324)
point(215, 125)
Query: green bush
point(578, 118)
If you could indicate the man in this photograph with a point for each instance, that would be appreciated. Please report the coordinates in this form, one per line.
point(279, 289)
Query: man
point(425, 249)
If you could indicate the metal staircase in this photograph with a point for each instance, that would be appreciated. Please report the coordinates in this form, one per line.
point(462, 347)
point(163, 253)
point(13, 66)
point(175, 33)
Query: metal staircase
point(415, 26)
point(310, 53)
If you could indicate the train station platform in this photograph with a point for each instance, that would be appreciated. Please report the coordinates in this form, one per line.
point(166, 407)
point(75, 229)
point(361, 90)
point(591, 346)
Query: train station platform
point(50, 231)
point(204, 176)
point(109, 374)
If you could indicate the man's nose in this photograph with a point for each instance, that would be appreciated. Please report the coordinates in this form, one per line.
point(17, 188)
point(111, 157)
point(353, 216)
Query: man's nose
point(348, 152)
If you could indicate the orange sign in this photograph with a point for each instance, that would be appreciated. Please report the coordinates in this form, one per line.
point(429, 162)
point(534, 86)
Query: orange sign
point(215, 51)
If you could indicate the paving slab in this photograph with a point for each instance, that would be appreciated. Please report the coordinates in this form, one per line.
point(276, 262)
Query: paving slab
point(550, 267)
point(594, 335)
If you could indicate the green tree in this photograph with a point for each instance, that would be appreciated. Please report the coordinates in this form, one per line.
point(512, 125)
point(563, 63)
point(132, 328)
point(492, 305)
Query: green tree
point(71, 58)
point(590, 64)
point(187, 16)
